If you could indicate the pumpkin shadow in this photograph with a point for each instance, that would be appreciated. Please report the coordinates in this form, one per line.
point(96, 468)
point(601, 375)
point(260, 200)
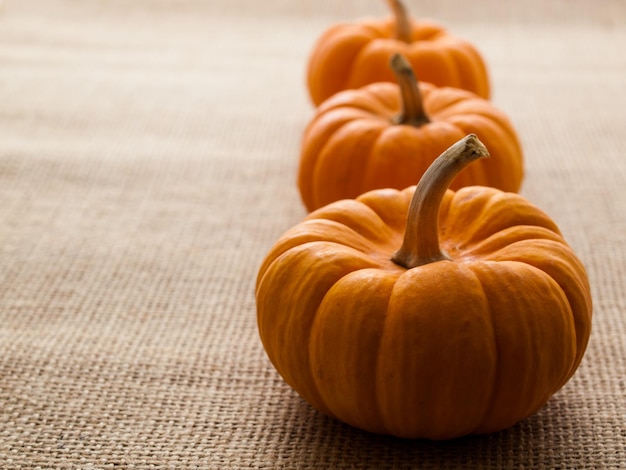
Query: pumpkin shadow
point(313, 440)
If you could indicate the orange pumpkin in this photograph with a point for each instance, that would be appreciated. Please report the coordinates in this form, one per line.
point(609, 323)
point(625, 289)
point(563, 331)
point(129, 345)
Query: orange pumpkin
point(351, 55)
point(385, 135)
point(464, 317)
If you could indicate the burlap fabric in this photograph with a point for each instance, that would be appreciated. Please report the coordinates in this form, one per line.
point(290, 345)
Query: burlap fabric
point(148, 151)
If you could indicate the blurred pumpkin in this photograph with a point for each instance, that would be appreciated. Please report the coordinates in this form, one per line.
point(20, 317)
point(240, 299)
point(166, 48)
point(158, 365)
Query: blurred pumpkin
point(385, 135)
point(463, 318)
point(351, 55)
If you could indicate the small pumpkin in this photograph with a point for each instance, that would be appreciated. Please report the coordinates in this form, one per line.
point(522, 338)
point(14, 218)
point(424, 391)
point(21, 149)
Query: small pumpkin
point(351, 55)
point(387, 134)
point(462, 318)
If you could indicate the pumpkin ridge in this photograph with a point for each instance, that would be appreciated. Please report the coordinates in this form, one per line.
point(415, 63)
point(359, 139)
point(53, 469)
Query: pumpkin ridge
point(376, 251)
point(316, 137)
point(477, 213)
point(379, 200)
point(336, 151)
point(437, 100)
point(333, 261)
point(388, 100)
point(566, 269)
point(425, 29)
point(385, 166)
point(490, 123)
point(469, 106)
point(379, 373)
point(327, 231)
point(435, 65)
point(501, 239)
point(379, 29)
point(470, 66)
point(518, 384)
point(364, 103)
point(497, 348)
point(379, 241)
point(371, 63)
point(317, 335)
point(420, 346)
point(332, 48)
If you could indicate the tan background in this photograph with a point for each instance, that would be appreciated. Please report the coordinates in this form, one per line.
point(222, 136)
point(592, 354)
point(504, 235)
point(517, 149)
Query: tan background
point(148, 151)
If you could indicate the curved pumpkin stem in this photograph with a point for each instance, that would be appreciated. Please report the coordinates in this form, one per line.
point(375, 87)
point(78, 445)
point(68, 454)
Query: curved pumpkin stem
point(403, 26)
point(412, 112)
point(421, 237)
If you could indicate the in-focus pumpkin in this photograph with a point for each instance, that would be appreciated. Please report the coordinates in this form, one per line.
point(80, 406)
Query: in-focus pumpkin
point(464, 317)
point(351, 55)
point(385, 135)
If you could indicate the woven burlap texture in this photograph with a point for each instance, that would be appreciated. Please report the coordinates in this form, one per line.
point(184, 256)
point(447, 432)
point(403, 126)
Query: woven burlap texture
point(148, 153)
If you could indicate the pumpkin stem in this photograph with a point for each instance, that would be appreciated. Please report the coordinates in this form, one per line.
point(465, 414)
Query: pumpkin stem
point(421, 237)
point(412, 112)
point(403, 26)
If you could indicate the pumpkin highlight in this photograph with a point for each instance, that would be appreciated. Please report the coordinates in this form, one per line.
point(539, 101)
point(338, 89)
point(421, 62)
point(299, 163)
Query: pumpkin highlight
point(463, 317)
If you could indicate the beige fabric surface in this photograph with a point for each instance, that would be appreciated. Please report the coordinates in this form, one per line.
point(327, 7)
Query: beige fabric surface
point(148, 151)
